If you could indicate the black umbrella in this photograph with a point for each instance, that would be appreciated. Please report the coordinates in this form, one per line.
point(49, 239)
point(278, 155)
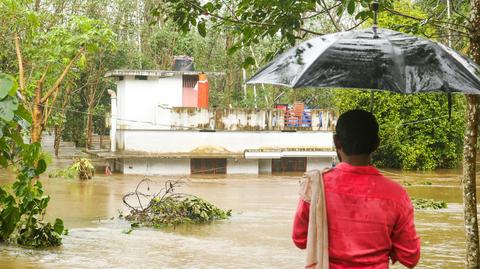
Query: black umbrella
point(391, 61)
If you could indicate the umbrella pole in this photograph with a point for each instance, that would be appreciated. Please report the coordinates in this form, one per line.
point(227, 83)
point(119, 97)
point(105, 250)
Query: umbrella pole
point(469, 183)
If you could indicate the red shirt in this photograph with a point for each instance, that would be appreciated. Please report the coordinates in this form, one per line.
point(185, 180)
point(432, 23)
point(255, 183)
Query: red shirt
point(370, 218)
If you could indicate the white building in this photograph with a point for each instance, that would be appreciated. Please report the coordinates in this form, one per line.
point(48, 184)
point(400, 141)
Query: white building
point(156, 129)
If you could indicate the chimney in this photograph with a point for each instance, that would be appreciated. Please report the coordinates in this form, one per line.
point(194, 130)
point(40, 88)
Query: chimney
point(183, 63)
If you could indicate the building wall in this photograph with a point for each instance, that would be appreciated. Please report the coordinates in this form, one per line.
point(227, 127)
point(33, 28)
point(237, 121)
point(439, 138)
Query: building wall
point(177, 167)
point(180, 167)
point(138, 100)
point(265, 166)
point(164, 141)
point(242, 166)
point(156, 166)
point(318, 163)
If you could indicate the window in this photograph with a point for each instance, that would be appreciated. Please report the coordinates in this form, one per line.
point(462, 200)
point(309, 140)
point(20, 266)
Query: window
point(141, 78)
point(286, 165)
point(208, 166)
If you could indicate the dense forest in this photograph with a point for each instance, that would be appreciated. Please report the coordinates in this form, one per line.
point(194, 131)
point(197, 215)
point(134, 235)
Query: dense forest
point(60, 50)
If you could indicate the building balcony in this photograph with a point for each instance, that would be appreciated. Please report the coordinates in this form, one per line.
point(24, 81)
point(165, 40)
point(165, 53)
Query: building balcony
point(200, 119)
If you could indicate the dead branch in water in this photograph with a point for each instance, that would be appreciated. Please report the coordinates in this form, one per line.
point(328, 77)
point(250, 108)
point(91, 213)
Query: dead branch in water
point(168, 207)
point(167, 190)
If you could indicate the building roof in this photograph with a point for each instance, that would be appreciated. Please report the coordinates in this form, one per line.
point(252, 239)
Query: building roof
point(167, 155)
point(277, 153)
point(270, 153)
point(156, 73)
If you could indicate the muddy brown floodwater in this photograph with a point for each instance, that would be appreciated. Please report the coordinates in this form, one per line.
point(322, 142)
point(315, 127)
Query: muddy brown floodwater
point(256, 236)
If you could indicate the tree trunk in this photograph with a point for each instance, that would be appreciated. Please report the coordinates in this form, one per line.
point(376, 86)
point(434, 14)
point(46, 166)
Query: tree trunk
point(470, 152)
point(58, 138)
point(230, 69)
point(89, 129)
point(469, 184)
point(37, 113)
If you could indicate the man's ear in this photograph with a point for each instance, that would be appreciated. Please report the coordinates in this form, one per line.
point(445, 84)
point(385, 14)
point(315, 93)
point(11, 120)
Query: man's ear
point(336, 142)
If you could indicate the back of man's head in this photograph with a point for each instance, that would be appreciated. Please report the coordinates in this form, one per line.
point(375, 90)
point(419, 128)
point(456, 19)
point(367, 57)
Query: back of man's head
point(357, 132)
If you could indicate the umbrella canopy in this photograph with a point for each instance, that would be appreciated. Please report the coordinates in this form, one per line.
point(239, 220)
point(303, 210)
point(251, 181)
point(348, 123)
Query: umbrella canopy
point(393, 61)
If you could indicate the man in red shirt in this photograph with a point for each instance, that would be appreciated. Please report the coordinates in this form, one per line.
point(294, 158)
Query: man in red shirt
point(370, 217)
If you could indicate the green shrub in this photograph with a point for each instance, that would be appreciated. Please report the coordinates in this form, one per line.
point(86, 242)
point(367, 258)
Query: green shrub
point(421, 203)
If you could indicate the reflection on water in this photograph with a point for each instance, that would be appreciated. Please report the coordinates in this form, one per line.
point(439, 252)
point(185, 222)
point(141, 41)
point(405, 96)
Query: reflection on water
point(257, 235)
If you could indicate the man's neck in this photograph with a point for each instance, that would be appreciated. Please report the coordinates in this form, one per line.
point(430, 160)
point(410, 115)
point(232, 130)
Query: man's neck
point(357, 160)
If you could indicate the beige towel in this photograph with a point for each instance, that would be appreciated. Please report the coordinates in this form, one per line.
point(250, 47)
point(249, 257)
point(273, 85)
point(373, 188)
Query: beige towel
point(312, 191)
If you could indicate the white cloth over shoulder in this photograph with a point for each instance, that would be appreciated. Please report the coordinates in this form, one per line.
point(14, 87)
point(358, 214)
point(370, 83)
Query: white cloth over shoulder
point(312, 191)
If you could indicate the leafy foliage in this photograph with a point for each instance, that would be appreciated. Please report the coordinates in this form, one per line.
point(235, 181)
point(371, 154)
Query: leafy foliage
point(168, 208)
point(81, 167)
point(421, 203)
point(84, 168)
point(415, 131)
point(173, 211)
point(66, 173)
point(23, 204)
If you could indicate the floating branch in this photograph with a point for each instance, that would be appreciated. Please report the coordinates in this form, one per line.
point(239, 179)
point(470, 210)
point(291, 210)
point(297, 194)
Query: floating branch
point(169, 208)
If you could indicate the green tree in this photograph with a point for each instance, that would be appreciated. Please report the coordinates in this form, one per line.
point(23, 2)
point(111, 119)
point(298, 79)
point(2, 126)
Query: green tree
point(48, 53)
point(23, 204)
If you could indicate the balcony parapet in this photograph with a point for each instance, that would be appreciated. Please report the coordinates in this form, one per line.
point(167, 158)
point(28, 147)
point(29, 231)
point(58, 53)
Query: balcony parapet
point(182, 118)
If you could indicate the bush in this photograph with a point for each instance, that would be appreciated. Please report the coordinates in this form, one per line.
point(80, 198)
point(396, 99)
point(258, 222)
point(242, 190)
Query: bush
point(81, 167)
point(63, 173)
point(421, 203)
point(84, 168)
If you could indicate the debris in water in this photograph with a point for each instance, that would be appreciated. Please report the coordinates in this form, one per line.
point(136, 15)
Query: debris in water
point(421, 203)
point(168, 208)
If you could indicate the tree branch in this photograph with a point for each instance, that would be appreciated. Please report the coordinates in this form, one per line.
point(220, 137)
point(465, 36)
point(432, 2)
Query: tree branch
point(321, 12)
point(330, 15)
point(433, 22)
point(21, 71)
point(49, 108)
point(246, 21)
point(356, 25)
point(57, 83)
point(460, 14)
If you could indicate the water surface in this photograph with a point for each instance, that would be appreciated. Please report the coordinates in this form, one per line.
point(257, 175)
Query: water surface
point(257, 235)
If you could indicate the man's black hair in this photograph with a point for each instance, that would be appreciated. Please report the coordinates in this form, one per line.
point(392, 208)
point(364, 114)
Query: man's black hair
point(357, 131)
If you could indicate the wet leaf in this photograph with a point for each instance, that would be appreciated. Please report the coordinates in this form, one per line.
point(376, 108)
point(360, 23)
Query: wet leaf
point(202, 28)
point(58, 227)
point(41, 167)
point(7, 85)
point(9, 218)
point(7, 108)
point(351, 7)
point(234, 49)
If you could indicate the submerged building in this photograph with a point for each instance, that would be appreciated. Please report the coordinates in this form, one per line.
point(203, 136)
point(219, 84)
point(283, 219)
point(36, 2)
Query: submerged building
point(161, 124)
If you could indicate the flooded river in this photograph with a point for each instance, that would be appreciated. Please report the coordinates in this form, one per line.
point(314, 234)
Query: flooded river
point(256, 236)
